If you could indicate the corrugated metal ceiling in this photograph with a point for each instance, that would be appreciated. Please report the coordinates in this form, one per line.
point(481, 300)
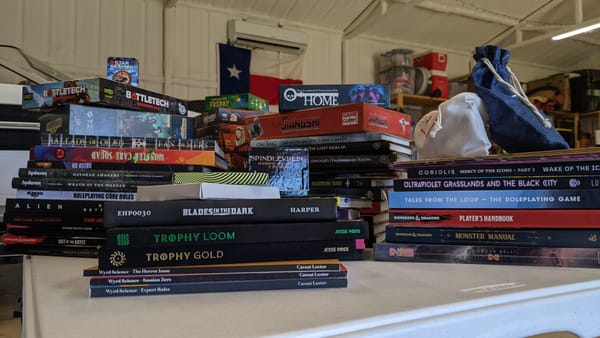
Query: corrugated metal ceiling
point(524, 27)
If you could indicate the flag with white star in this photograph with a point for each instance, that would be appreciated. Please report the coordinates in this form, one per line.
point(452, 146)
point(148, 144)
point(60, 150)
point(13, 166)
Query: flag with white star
point(234, 69)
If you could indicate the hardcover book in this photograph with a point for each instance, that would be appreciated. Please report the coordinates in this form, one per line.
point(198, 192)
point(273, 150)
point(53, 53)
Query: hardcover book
point(288, 168)
point(223, 211)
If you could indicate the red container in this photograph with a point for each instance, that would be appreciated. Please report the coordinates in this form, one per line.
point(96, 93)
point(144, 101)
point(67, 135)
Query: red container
point(439, 84)
point(431, 60)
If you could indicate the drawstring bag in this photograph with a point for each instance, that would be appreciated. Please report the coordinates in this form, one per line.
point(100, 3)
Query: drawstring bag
point(455, 129)
point(515, 123)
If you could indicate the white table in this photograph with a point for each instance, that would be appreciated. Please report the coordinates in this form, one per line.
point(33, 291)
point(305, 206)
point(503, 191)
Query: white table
point(385, 299)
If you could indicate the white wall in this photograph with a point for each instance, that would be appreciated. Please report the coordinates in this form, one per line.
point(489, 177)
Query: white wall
point(77, 36)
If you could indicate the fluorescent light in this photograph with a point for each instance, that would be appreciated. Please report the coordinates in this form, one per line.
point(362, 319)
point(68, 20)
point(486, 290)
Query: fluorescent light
point(576, 31)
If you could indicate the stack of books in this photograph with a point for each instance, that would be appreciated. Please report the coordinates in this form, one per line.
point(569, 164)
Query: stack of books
point(538, 208)
point(99, 141)
point(188, 236)
point(350, 146)
point(222, 119)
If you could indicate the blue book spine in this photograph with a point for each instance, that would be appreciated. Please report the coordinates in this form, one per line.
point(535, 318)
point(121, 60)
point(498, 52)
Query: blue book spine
point(496, 199)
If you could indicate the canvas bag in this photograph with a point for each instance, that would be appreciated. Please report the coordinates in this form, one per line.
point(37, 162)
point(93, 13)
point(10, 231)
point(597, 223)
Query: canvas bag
point(455, 129)
point(515, 123)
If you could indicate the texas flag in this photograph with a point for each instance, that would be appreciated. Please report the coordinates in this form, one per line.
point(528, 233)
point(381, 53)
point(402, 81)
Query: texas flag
point(258, 72)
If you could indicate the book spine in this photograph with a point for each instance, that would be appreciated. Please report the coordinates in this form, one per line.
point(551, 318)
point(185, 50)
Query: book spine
point(518, 237)
point(225, 177)
point(497, 183)
point(320, 265)
point(120, 166)
point(498, 218)
point(364, 160)
point(185, 235)
point(25, 206)
point(487, 254)
point(44, 250)
point(210, 277)
point(124, 155)
point(246, 285)
point(76, 195)
point(90, 174)
point(67, 140)
point(548, 167)
point(110, 258)
point(35, 183)
point(372, 193)
point(328, 139)
point(342, 183)
point(496, 199)
point(54, 219)
point(64, 240)
point(55, 229)
point(187, 212)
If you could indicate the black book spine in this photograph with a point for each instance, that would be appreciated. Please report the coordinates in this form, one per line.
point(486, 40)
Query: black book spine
point(90, 174)
point(110, 258)
point(497, 183)
point(371, 147)
point(247, 285)
point(341, 183)
point(45, 250)
point(26, 206)
point(219, 211)
point(49, 240)
point(56, 229)
point(54, 219)
point(581, 238)
point(185, 235)
point(362, 160)
point(77, 184)
point(506, 168)
point(211, 277)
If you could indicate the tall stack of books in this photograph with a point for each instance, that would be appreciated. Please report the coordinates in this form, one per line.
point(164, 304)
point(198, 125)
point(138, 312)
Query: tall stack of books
point(538, 208)
point(209, 245)
point(222, 119)
point(351, 147)
point(100, 140)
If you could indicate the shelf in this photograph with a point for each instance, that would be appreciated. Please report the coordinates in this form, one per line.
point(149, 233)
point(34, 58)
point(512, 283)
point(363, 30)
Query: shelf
point(408, 99)
point(576, 119)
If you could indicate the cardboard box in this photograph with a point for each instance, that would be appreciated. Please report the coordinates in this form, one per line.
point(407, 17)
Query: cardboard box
point(431, 60)
point(355, 117)
point(230, 137)
point(298, 97)
point(76, 119)
point(100, 91)
point(227, 115)
point(238, 101)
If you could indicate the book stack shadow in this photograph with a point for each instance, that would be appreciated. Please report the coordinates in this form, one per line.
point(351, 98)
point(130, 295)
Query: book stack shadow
point(99, 140)
point(535, 209)
point(216, 245)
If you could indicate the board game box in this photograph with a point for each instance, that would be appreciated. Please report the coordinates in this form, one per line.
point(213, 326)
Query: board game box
point(100, 91)
point(348, 118)
point(297, 97)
